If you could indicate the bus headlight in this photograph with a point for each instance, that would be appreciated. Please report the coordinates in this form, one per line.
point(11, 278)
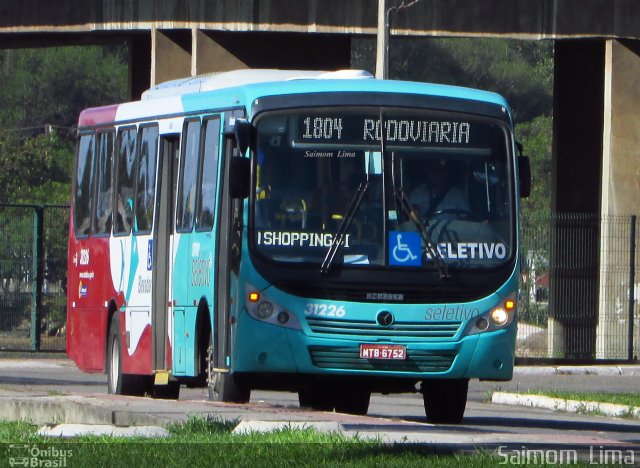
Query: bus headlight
point(264, 310)
point(499, 316)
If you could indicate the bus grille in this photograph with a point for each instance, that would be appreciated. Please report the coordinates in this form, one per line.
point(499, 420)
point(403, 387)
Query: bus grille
point(425, 330)
point(348, 358)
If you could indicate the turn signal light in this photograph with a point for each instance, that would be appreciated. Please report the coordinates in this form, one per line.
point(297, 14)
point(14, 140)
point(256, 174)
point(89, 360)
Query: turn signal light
point(254, 296)
point(509, 304)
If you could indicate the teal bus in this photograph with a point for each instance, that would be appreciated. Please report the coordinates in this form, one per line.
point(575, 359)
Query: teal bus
point(325, 233)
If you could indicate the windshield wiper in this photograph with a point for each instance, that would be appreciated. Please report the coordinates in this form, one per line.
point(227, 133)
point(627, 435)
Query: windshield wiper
point(340, 235)
point(431, 249)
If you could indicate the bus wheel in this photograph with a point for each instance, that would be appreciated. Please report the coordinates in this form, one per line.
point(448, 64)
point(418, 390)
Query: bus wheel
point(223, 386)
point(353, 403)
point(445, 400)
point(117, 382)
point(316, 400)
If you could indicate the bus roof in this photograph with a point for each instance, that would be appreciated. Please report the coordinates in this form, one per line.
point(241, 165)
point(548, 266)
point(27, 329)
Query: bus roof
point(242, 87)
point(236, 78)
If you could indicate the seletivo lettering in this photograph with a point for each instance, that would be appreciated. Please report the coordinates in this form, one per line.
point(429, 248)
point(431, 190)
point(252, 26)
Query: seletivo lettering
point(458, 313)
point(471, 251)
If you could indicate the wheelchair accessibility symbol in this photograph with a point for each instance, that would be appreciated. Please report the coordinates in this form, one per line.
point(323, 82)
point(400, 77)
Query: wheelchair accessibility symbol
point(405, 248)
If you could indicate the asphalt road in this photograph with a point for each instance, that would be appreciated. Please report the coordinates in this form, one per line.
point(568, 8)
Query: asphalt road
point(398, 416)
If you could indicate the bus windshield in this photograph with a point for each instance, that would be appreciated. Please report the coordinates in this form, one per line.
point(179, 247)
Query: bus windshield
point(408, 188)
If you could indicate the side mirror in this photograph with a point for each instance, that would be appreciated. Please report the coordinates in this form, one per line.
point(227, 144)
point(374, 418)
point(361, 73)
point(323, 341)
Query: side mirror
point(239, 177)
point(524, 169)
point(242, 132)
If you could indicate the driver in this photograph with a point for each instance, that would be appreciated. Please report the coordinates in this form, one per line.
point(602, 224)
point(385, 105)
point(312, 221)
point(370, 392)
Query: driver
point(438, 197)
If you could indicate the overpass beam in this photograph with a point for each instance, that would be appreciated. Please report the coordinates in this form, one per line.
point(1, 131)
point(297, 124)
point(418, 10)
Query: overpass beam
point(171, 54)
point(219, 51)
point(211, 55)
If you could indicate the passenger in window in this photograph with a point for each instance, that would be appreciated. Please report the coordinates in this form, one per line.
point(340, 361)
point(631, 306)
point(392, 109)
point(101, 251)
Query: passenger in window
point(103, 211)
point(438, 197)
point(125, 212)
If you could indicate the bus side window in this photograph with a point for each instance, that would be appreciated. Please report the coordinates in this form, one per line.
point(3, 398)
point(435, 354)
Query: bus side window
point(125, 181)
point(84, 185)
point(146, 183)
point(209, 175)
point(188, 177)
point(104, 184)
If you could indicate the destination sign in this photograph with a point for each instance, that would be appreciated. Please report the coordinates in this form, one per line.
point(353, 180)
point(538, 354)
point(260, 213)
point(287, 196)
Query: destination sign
point(404, 131)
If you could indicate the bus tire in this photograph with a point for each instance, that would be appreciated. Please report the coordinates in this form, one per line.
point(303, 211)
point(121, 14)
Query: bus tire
point(445, 400)
point(119, 383)
point(356, 402)
point(223, 386)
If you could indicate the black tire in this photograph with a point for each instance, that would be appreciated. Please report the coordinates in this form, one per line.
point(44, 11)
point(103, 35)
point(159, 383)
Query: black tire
point(223, 386)
point(445, 400)
point(316, 400)
point(119, 383)
point(353, 403)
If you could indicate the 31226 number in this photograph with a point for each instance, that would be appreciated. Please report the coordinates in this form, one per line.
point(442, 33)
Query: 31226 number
point(324, 310)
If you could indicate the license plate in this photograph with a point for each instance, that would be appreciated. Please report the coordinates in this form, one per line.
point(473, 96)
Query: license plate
point(383, 351)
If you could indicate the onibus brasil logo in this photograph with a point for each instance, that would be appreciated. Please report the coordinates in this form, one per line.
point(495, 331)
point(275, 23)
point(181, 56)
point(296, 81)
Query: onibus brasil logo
point(35, 456)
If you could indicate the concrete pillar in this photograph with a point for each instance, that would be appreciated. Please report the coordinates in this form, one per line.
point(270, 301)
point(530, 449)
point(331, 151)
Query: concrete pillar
point(621, 149)
point(577, 154)
point(620, 194)
point(171, 52)
point(555, 339)
point(139, 46)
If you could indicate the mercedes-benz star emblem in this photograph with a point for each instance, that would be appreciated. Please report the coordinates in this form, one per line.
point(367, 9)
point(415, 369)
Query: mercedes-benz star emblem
point(385, 318)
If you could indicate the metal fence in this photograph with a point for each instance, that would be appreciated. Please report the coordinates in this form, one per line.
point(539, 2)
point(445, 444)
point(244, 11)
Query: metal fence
point(33, 271)
point(579, 299)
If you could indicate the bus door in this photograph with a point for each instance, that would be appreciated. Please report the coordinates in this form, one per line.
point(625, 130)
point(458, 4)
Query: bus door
point(229, 235)
point(161, 249)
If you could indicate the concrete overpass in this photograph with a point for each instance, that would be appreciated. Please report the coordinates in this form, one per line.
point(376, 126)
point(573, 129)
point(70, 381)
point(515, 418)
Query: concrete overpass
point(596, 93)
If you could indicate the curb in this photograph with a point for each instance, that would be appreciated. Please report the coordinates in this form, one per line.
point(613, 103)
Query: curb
point(68, 430)
point(567, 406)
point(40, 409)
point(252, 426)
point(577, 370)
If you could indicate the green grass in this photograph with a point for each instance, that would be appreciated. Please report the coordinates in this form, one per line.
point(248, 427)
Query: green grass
point(628, 399)
point(209, 442)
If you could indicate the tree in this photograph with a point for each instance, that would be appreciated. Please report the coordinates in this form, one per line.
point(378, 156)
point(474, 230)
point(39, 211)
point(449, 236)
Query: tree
point(36, 169)
point(51, 86)
point(43, 89)
point(522, 71)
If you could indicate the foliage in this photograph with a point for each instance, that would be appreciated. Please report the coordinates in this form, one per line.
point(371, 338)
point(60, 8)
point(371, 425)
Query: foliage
point(51, 86)
point(536, 139)
point(47, 88)
point(35, 169)
point(522, 71)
